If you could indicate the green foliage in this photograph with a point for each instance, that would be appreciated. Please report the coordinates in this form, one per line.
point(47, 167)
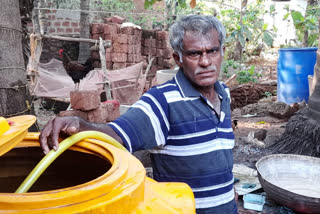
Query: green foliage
point(308, 23)
point(230, 67)
point(253, 31)
point(250, 75)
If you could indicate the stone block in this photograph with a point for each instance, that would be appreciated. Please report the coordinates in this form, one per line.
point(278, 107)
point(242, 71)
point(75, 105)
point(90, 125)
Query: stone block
point(85, 100)
point(72, 113)
point(119, 57)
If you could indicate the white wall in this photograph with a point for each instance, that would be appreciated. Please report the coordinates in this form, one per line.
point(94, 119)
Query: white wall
point(286, 30)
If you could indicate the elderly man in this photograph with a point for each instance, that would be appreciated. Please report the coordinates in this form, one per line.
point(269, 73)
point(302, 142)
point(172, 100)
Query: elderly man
point(185, 122)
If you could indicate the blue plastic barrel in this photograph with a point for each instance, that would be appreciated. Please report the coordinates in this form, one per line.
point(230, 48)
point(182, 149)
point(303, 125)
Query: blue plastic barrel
point(294, 66)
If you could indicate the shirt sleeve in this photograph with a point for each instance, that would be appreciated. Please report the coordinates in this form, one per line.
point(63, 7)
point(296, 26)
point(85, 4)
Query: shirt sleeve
point(145, 124)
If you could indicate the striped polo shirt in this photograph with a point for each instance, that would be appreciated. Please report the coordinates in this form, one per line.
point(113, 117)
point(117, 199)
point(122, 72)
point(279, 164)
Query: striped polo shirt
point(188, 142)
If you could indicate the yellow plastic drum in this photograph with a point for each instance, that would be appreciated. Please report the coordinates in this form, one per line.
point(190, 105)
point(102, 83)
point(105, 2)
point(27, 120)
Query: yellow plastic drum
point(123, 188)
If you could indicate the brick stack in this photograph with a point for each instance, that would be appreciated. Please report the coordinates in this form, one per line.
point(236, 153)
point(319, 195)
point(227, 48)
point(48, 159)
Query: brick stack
point(156, 44)
point(87, 105)
point(126, 42)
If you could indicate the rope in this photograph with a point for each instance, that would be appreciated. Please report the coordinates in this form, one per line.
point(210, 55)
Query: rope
point(16, 88)
point(97, 11)
point(22, 112)
point(13, 68)
point(10, 28)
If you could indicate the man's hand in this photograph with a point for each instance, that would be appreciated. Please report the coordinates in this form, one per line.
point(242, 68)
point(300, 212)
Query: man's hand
point(59, 125)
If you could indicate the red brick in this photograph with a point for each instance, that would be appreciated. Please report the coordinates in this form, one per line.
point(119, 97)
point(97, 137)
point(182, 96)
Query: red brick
point(76, 30)
point(96, 28)
point(153, 43)
point(137, 49)
point(159, 52)
point(107, 20)
point(119, 57)
point(69, 30)
point(108, 57)
point(153, 51)
point(167, 53)
point(147, 42)
point(57, 24)
point(108, 37)
point(109, 50)
point(119, 65)
point(72, 113)
point(109, 65)
point(138, 32)
point(74, 24)
point(85, 100)
point(110, 29)
point(51, 30)
point(166, 44)
point(160, 61)
point(95, 36)
point(121, 38)
point(131, 49)
point(120, 48)
point(117, 19)
point(158, 43)
point(60, 30)
point(127, 30)
point(162, 35)
point(66, 23)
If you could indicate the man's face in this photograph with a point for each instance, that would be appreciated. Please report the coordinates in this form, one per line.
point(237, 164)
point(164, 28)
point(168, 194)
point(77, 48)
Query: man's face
point(201, 58)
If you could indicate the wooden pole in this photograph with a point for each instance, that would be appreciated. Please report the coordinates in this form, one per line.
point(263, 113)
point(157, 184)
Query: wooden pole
point(102, 53)
point(106, 43)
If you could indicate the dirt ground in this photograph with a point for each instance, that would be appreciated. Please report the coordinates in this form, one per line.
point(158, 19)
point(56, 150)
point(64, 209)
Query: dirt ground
point(252, 119)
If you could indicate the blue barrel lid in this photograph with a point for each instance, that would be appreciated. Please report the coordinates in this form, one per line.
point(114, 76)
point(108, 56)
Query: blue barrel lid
point(299, 49)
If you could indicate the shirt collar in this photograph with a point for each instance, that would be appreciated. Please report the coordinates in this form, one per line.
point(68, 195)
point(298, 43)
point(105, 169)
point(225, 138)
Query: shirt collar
point(187, 89)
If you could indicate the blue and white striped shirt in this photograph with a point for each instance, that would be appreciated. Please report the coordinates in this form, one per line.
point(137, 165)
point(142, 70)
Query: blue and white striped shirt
point(187, 140)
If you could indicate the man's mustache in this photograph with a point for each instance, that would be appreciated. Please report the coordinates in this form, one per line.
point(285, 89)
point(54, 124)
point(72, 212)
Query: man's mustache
point(210, 68)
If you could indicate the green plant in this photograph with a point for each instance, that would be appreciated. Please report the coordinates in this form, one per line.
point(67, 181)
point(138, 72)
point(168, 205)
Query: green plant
point(253, 31)
point(268, 94)
point(307, 23)
point(250, 75)
point(230, 67)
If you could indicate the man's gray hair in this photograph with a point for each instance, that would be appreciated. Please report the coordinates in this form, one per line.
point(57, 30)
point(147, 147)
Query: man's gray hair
point(198, 24)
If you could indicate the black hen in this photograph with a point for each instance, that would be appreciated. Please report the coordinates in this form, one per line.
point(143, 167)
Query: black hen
point(74, 69)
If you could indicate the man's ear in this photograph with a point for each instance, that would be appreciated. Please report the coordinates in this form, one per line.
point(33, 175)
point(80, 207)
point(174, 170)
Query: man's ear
point(177, 59)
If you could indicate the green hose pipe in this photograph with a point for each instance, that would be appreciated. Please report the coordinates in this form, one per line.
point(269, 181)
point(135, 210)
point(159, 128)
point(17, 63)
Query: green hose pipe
point(64, 145)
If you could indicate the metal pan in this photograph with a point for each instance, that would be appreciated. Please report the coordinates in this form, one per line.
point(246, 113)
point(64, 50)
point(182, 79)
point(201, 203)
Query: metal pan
point(291, 180)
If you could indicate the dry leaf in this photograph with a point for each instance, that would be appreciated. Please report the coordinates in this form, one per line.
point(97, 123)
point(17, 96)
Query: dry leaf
point(193, 3)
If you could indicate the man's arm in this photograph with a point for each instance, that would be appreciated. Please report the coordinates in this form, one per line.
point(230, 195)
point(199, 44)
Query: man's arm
point(68, 126)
